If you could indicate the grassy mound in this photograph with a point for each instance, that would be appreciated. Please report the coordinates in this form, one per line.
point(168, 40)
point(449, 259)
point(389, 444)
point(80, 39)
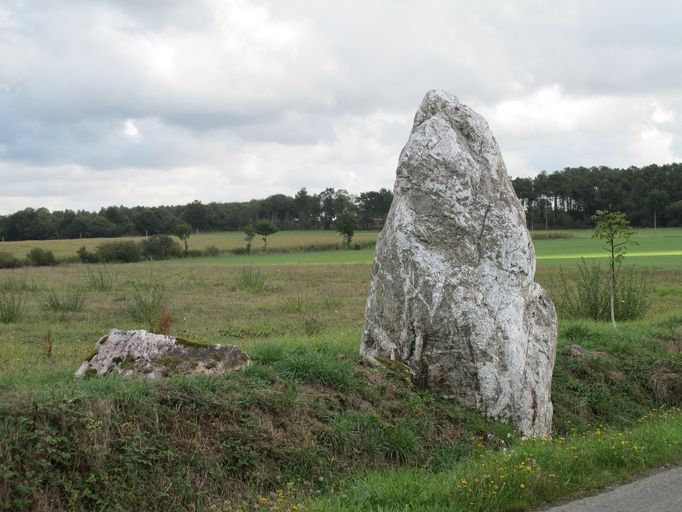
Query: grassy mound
point(304, 415)
point(301, 417)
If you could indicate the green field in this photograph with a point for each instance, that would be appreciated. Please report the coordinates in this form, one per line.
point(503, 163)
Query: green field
point(307, 419)
point(224, 241)
point(660, 248)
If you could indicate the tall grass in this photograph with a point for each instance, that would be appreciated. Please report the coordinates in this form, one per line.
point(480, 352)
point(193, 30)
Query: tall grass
point(585, 292)
point(71, 300)
point(150, 306)
point(11, 307)
point(18, 285)
point(99, 279)
point(251, 280)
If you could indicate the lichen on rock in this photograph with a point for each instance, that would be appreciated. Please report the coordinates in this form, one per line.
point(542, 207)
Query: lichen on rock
point(452, 292)
point(149, 355)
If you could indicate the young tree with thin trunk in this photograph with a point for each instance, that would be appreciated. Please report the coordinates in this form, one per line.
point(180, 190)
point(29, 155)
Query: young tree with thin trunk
point(249, 234)
point(265, 228)
point(183, 231)
point(614, 228)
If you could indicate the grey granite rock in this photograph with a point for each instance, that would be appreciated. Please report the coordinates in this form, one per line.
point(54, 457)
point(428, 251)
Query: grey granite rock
point(149, 355)
point(452, 292)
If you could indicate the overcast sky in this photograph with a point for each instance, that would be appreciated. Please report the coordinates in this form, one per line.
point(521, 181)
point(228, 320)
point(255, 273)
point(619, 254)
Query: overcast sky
point(162, 102)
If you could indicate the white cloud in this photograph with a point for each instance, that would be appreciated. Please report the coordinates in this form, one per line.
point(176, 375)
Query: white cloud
point(653, 145)
point(233, 99)
point(130, 130)
point(662, 115)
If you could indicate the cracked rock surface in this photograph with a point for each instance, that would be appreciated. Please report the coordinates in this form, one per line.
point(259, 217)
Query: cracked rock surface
point(145, 354)
point(453, 294)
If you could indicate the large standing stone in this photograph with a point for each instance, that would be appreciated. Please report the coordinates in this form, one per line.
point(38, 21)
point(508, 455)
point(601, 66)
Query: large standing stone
point(453, 293)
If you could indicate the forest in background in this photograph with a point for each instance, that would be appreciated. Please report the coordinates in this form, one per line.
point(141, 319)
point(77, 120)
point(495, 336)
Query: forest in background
point(650, 196)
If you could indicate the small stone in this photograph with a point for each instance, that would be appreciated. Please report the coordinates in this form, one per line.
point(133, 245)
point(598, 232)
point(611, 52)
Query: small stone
point(149, 355)
point(453, 294)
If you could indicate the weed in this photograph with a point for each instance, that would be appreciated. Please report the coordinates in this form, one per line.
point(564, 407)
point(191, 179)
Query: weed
point(585, 294)
point(11, 307)
point(312, 325)
point(18, 285)
point(165, 320)
point(47, 344)
point(72, 300)
point(251, 280)
point(100, 279)
point(299, 302)
point(150, 306)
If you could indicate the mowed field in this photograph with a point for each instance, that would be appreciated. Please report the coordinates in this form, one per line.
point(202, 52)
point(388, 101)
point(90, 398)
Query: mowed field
point(224, 241)
point(661, 247)
point(307, 294)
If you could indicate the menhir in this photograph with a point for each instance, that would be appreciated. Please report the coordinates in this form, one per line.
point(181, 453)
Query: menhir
point(453, 294)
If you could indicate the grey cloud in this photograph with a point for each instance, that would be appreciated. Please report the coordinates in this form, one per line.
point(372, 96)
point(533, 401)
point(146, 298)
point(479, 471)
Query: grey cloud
point(213, 82)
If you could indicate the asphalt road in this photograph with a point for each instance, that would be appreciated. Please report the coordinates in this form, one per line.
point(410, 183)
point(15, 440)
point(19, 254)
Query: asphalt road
point(659, 492)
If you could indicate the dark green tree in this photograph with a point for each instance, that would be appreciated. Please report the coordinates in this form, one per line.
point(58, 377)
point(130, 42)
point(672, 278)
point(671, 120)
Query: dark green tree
point(196, 215)
point(249, 234)
point(183, 231)
point(265, 228)
point(346, 224)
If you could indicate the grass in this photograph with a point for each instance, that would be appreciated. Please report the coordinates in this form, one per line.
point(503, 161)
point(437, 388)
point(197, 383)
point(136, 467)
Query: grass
point(250, 279)
point(11, 307)
point(100, 278)
point(525, 476)
point(149, 306)
point(306, 416)
point(70, 300)
point(223, 241)
point(660, 248)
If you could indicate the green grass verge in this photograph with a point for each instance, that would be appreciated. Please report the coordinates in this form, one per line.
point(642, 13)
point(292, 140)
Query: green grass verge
point(304, 413)
point(306, 416)
point(527, 475)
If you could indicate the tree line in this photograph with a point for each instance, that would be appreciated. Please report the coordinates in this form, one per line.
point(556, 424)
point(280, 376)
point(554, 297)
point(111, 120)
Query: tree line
point(304, 210)
point(649, 196)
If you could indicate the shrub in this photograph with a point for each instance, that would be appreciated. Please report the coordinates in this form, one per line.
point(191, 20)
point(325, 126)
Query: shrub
point(38, 257)
point(150, 307)
point(211, 251)
point(11, 307)
point(585, 294)
point(86, 256)
point(119, 251)
point(72, 300)
point(251, 280)
point(8, 260)
point(160, 247)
